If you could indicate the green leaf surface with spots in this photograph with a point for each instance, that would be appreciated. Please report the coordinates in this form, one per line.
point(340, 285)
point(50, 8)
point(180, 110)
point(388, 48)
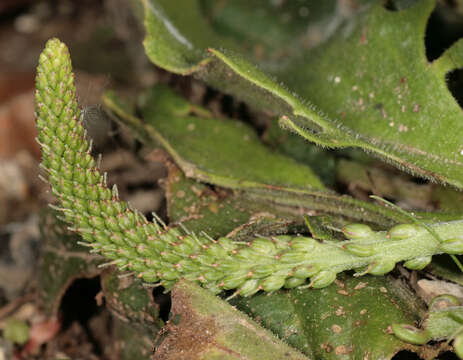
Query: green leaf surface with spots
point(345, 321)
point(368, 85)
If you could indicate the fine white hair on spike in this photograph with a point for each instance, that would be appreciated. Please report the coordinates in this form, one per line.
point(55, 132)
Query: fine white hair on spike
point(111, 263)
point(185, 229)
point(86, 244)
point(98, 161)
point(126, 275)
point(46, 169)
point(43, 179)
point(159, 220)
point(235, 294)
point(115, 192)
point(208, 237)
point(62, 210)
point(44, 146)
point(151, 285)
point(61, 218)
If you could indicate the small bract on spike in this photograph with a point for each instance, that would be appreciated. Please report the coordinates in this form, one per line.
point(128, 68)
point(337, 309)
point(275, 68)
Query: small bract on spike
point(322, 279)
point(108, 264)
point(418, 263)
point(357, 231)
point(381, 267)
point(360, 249)
point(452, 246)
point(403, 231)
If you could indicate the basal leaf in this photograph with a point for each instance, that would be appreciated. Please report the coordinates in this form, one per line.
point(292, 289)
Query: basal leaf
point(203, 326)
point(369, 85)
point(219, 212)
point(239, 160)
point(62, 260)
point(346, 321)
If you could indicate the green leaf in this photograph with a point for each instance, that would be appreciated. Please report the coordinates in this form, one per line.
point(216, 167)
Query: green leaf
point(292, 145)
point(346, 321)
point(62, 260)
point(129, 300)
point(384, 96)
point(239, 160)
point(133, 343)
point(218, 212)
point(202, 326)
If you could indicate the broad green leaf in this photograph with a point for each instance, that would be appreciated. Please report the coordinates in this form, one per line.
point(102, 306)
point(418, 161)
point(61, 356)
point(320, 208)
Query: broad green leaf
point(220, 151)
point(220, 212)
point(136, 314)
point(62, 260)
point(133, 343)
point(239, 160)
point(349, 320)
point(205, 327)
point(296, 147)
point(130, 301)
point(369, 85)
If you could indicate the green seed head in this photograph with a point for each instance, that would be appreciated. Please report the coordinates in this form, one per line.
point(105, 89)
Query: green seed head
point(264, 270)
point(164, 254)
point(235, 280)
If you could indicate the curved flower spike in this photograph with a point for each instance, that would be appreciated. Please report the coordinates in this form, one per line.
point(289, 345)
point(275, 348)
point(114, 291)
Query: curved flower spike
point(161, 254)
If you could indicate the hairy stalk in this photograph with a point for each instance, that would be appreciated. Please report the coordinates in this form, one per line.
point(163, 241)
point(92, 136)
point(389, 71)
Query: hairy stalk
point(161, 254)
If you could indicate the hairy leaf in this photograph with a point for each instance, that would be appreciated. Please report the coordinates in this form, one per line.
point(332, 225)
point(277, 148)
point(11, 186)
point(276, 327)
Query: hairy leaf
point(369, 85)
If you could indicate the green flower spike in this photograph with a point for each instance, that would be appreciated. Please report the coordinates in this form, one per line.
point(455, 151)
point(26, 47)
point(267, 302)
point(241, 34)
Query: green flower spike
point(165, 255)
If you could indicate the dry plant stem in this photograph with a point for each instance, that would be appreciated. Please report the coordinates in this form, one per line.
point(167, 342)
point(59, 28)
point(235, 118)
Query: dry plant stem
point(161, 254)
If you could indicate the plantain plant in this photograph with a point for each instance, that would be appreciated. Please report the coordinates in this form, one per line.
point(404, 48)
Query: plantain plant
point(176, 257)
